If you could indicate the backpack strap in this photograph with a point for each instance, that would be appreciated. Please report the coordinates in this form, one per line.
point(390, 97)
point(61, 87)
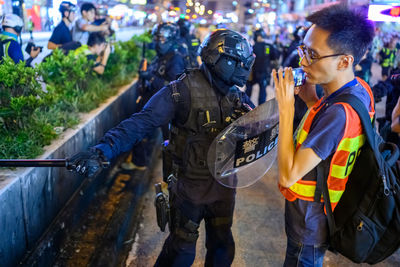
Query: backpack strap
point(175, 94)
point(323, 183)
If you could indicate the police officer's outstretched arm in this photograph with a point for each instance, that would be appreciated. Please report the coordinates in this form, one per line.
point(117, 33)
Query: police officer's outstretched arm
point(158, 111)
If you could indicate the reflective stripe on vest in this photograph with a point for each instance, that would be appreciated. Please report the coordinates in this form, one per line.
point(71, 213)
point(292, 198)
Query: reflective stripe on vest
point(6, 45)
point(389, 59)
point(343, 159)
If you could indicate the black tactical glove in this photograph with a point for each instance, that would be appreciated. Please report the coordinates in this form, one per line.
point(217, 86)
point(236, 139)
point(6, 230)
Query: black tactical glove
point(88, 163)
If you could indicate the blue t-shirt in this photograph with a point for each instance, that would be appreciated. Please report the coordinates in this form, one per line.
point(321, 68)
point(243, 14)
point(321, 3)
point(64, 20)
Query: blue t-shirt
point(305, 221)
point(61, 34)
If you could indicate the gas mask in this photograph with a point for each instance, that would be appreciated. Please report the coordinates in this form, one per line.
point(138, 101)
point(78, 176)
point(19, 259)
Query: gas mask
point(233, 72)
point(163, 47)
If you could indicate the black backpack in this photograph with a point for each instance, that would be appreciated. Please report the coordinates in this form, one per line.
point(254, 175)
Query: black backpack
point(365, 225)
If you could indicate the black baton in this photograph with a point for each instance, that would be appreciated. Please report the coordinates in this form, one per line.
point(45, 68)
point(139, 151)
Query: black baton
point(38, 163)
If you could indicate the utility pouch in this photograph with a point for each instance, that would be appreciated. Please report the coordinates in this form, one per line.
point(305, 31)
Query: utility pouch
point(162, 207)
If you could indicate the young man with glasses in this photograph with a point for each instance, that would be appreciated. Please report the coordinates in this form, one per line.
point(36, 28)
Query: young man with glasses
point(333, 45)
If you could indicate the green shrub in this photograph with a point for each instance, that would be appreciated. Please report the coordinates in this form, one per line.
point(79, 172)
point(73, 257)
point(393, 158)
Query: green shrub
point(20, 94)
point(38, 104)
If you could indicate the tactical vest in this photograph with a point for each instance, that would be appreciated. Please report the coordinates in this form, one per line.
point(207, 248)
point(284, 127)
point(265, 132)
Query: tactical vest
point(5, 42)
point(389, 57)
point(343, 159)
point(209, 114)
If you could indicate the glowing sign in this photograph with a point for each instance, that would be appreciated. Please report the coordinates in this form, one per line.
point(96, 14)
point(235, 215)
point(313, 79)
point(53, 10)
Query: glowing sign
point(384, 13)
point(394, 12)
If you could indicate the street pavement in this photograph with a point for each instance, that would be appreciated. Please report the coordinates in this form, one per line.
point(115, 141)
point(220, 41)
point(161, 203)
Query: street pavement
point(258, 226)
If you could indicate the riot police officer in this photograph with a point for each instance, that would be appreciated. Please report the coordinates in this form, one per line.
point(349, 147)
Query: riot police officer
point(189, 43)
point(165, 67)
point(168, 63)
point(265, 53)
point(200, 104)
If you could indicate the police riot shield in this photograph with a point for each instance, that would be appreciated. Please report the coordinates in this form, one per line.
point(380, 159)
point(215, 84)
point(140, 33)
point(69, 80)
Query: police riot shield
point(243, 152)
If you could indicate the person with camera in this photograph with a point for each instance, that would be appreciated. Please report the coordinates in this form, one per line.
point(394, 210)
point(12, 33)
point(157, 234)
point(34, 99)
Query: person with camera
point(62, 33)
point(96, 50)
point(84, 25)
point(334, 44)
point(199, 105)
point(10, 46)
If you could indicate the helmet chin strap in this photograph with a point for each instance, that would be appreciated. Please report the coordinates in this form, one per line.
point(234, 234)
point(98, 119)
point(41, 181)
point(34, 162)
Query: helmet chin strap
point(69, 13)
point(67, 17)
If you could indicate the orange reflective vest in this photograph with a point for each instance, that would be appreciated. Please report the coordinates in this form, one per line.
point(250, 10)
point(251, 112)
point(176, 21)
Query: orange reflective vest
point(343, 159)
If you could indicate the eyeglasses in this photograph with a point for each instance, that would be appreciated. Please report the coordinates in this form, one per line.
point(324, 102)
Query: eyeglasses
point(310, 55)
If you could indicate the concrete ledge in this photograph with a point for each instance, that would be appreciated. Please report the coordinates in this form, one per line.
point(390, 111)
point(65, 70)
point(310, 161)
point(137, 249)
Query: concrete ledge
point(31, 198)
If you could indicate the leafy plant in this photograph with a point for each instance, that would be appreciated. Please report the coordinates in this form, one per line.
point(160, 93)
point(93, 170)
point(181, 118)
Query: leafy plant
point(20, 93)
point(36, 104)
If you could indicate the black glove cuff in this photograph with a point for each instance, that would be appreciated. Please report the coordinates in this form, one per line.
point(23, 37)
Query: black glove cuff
point(105, 162)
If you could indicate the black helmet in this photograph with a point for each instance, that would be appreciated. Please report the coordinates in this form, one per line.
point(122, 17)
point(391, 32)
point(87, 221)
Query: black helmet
point(228, 55)
point(259, 32)
point(184, 26)
point(66, 6)
point(165, 36)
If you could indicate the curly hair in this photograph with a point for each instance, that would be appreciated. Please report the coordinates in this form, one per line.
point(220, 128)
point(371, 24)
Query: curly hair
point(350, 30)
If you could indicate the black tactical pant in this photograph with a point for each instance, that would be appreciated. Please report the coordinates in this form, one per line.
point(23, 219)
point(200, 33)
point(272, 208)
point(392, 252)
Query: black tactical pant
point(180, 247)
point(262, 83)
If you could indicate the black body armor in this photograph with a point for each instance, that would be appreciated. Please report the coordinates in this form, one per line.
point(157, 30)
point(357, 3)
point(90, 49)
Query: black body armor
point(186, 153)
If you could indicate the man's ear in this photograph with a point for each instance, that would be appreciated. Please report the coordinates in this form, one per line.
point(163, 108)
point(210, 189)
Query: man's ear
point(346, 61)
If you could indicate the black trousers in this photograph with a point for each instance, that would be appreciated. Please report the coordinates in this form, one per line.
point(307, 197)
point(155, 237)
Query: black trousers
point(262, 83)
point(179, 250)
